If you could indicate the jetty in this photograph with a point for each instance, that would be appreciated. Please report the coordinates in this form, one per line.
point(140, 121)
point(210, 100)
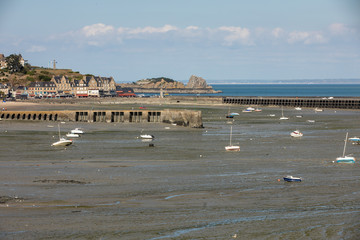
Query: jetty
point(186, 118)
point(310, 102)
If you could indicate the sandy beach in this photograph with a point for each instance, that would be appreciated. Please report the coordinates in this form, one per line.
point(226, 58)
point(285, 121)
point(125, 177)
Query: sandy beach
point(112, 185)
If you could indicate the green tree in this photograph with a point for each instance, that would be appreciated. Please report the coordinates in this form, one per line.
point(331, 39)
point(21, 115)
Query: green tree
point(13, 63)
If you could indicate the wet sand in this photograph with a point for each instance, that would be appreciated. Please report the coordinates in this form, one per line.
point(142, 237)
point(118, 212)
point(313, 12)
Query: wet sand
point(111, 185)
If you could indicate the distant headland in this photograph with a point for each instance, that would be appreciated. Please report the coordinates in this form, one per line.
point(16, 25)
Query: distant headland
point(195, 85)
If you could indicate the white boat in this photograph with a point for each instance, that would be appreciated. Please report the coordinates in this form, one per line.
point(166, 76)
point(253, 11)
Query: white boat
point(147, 136)
point(234, 114)
point(62, 141)
point(318, 110)
point(310, 121)
point(298, 108)
point(246, 111)
point(250, 108)
point(282, 115)
point(231, 147)
point(72, 135)
point(296, 133)
point(77, 131)
point(344, 158)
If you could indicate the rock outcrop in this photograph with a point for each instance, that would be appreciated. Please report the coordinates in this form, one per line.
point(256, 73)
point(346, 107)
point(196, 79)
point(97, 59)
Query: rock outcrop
point(197, 82)
point(160, 84)
point(196, 85)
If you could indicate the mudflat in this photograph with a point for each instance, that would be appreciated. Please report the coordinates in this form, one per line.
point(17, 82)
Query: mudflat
point(110, 184)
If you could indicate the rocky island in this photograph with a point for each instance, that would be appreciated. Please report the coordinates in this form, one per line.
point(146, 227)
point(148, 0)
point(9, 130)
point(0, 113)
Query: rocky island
point(195, 85)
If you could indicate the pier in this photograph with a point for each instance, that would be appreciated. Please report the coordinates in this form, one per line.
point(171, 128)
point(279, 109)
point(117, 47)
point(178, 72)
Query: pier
point(186, 118)
point(311, 102)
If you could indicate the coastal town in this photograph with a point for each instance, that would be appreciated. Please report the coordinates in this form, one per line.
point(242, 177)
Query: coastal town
point(75, 85)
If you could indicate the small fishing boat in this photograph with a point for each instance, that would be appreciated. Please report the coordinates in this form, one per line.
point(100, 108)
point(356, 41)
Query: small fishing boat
point(298, 108)
point(344, 158)
point(231, 147)
point(62, 141)
point(258, 110)
point(290, 178)
point(229, 116)
point(296, 133)
point(234, 114)
point(318, 110)
point(77, 131)
point(147, 136)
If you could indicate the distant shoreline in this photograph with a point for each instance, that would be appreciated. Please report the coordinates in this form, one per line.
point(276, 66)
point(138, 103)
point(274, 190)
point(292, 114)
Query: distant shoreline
point(288, 83)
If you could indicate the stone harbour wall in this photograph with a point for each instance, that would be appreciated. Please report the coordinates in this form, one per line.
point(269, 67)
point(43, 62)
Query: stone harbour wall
point(186, 118)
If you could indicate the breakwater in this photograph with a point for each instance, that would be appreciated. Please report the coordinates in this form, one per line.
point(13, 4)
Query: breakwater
point(187, 118)
point(344, 103)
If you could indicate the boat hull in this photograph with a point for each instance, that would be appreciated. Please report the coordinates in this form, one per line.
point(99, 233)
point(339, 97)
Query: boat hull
point(232, 148)
point(292, 179)
point(62, 143)
point(345, 160)
point(146, 136)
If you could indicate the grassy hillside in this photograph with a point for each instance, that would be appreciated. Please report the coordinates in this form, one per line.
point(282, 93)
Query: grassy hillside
point(35, 74)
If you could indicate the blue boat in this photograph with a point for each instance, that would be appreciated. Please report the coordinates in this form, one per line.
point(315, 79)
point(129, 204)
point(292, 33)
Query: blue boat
point(292, 179)
point(355, 140)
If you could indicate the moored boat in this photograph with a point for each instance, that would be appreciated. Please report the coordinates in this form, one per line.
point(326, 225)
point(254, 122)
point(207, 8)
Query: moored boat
point(63, 142)
point(290, 178)
point(77, 131)
point(344, 158)
point(147, 136)
point(296, 133)
point(232, 147)
point(72, 135)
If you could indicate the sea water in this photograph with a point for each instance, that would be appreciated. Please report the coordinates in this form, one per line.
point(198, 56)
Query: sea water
point(286, 90)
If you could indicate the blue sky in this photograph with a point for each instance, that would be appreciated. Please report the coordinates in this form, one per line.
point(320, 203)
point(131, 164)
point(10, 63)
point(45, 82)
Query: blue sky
point(217, 40)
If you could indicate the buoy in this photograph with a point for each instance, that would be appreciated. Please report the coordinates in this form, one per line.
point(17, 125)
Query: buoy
point(278, 179)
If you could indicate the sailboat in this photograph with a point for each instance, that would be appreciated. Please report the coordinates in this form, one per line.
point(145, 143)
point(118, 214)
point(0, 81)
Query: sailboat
point(62, 141)
point(231, 147)
point(344, 158)
point(282, 114)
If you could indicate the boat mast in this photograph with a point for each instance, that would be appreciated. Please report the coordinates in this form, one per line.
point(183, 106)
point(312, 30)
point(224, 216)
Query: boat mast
point(59, 130)
point(345, 144)
point(230, 135)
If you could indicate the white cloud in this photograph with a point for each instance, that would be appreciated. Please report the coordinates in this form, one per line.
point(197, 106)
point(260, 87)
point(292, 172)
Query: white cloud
point(192, 28)
point(236, 34)
point(36, 49)
point(97, 29)
point(306, 37)
point(147, 30)
point(277, 32)
point(100, 34)
point(340, 29)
